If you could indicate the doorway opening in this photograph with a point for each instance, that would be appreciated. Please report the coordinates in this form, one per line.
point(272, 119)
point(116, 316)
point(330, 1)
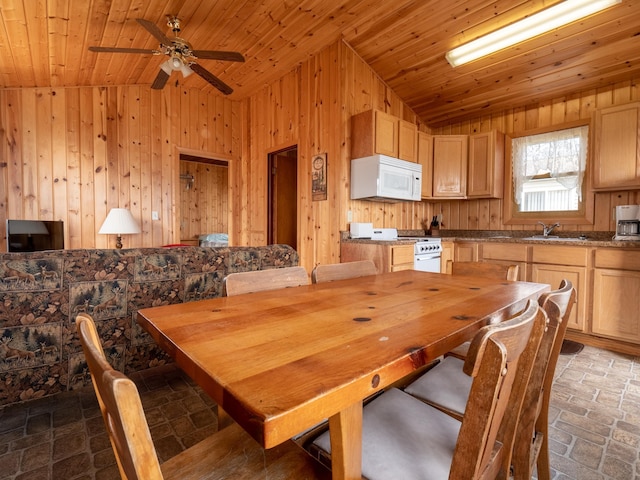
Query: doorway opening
point(204, 200)
point(282, 208)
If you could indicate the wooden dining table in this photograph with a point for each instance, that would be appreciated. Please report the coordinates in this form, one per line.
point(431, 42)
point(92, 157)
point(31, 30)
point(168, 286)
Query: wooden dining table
point(281, 361)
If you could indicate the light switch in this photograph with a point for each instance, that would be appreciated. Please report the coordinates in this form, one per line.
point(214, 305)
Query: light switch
point(155, 216)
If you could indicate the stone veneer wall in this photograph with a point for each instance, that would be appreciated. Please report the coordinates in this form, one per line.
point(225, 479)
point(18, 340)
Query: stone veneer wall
point(41, 292)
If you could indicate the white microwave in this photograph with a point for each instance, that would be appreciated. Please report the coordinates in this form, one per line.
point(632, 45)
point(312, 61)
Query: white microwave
point(385, 179)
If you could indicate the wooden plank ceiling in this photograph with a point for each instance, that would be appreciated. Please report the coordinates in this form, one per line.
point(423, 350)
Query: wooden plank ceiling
point(45, 43)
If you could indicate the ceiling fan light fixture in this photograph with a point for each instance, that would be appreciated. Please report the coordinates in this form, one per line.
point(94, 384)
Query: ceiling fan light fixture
point(186, 71)
point(166, 67)
point(176, 63)
point(541, 22)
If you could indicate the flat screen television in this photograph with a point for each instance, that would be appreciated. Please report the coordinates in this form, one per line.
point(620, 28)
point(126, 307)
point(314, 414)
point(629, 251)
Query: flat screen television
point(34, 235)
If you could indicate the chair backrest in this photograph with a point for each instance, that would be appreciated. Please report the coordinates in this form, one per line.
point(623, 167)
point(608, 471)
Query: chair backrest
point(261, 280)
point(500, 359)
point(558, 305)
point(483, 269)
point(341, 271)
point(121, 409)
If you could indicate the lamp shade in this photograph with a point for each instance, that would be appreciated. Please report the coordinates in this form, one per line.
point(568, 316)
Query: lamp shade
point(119, 222)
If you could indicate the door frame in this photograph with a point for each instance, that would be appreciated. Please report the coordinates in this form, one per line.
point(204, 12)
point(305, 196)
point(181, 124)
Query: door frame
point(176, 185)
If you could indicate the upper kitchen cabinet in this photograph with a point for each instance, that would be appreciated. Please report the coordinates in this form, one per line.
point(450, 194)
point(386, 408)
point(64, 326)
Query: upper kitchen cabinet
point(486, 165)
point(425, 158)
point(407, 141)
point(375, 131)
point(616, 160)
point(450, 154)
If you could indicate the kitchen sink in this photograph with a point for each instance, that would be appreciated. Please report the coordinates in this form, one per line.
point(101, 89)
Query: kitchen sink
point(556, 238)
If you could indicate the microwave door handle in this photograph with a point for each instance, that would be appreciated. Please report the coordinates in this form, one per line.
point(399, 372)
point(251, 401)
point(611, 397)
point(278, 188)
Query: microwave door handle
point(417, 185)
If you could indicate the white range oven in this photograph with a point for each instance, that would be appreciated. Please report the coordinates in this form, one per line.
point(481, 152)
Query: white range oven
point(426, 250)
point(426, 254)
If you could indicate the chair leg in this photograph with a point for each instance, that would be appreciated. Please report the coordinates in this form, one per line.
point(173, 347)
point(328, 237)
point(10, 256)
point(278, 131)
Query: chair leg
point(542, 431)
point(543, 467)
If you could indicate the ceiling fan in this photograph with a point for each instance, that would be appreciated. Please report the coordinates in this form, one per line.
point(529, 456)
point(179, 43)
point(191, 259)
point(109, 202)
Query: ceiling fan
point(181, 56)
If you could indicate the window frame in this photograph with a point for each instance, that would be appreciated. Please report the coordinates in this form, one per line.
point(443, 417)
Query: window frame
point(582, 216)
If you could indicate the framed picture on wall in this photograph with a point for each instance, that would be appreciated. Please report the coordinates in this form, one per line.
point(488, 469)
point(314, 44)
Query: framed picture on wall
point(319, 177)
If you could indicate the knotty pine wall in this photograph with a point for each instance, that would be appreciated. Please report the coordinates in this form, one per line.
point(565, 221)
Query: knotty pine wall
point(311, 107)
point(487, 214)
point(72, 154)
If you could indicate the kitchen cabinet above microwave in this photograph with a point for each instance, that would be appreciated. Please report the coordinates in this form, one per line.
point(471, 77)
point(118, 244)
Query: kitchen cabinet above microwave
point(462, 166)
point(377, 132)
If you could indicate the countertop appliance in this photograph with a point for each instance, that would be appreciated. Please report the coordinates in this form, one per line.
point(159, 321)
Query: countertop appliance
point(627, 222)
point(384, 234)
point(360, 230)
point(385, 179)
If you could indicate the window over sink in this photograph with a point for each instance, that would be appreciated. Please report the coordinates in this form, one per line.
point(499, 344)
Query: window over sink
point(546, 170)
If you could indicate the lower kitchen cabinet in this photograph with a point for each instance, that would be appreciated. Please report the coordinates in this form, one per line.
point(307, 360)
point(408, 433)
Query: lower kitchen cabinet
point(616, 292)
point(466, 252)
point(553, 275)
point(507, 254)
point(552, 263)
point(607, 282)
point(401, 258)
point(615, 302)
point(387, 258)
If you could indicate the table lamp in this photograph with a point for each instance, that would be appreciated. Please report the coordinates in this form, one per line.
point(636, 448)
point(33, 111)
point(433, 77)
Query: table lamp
point(119, 222)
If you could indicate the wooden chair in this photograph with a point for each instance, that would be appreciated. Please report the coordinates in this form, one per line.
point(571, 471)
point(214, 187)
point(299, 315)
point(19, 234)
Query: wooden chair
point(403, 437)
point(534, 419)
point(447, 388)
point(230, 453)
point(341, 271)
point(258, 281)
point(479, 269)
point(261, 280)
point(483, 269)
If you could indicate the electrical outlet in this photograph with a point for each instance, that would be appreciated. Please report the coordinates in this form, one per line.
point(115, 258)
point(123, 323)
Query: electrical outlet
point(155, 216)
point(349, 216)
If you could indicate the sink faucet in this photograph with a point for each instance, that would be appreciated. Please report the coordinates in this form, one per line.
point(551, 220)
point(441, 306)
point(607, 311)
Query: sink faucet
point(546, 231)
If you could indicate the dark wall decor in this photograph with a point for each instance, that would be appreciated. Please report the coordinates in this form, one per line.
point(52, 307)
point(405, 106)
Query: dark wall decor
point(319, 177)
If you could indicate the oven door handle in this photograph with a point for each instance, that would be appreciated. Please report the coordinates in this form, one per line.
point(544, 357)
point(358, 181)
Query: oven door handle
point(427, 256)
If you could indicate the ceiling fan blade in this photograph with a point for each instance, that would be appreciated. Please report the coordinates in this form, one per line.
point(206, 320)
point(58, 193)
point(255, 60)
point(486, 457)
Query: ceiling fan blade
point(153, 29)
point(161, 80)
point(211, 78)
point(124, 50)
point(219, 55)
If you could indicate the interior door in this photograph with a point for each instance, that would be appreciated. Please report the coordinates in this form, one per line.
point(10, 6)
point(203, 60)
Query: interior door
point(283, 197)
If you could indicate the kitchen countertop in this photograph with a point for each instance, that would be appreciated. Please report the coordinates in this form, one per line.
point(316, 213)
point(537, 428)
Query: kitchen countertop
point(593, 239)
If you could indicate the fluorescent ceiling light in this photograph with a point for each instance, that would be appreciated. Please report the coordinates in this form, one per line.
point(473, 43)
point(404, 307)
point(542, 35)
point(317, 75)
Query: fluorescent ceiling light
point(529, 27)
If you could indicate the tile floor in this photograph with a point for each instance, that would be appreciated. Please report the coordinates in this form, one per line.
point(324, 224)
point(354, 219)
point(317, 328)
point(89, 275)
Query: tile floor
point(595, 430)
